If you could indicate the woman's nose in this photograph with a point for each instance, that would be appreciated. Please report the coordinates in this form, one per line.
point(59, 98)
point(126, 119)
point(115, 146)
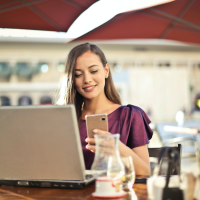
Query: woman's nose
point(87, 78)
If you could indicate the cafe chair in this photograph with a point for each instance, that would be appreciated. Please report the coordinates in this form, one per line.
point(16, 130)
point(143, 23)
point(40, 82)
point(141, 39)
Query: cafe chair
point(171, 135)
point(193, 150)
point(154, 153)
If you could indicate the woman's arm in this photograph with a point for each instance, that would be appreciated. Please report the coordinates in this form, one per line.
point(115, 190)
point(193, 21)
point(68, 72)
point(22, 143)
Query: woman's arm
point(139, 154)
point(140, 157)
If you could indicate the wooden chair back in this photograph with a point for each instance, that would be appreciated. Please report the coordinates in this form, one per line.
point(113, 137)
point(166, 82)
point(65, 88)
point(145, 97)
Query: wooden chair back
point(154, 152)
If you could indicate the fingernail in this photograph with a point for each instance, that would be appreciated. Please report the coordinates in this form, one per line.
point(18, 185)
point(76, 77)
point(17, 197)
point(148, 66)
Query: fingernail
point(87, 139)
point(87, 146)
point(95, 130)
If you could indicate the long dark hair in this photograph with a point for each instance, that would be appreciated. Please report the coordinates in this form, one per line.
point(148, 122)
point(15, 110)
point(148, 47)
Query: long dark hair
point(68, 94)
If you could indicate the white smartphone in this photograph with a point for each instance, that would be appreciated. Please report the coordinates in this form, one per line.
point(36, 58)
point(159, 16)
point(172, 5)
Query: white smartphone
point(96, 121)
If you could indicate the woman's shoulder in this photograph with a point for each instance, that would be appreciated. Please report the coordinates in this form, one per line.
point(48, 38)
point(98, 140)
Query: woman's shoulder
point(135, 109)
point(131, 111)
point(136, 116)
point(125, 108)
point(129, 108)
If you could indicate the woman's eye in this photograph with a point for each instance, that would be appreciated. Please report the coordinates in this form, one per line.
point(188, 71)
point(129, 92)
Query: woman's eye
point(78, 75)
point(93, 72)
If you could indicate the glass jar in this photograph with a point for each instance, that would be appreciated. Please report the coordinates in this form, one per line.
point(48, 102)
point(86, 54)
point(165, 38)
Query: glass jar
point(107, 166)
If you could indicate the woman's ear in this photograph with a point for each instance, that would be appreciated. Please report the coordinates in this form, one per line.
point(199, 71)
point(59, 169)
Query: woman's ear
point(106, 70)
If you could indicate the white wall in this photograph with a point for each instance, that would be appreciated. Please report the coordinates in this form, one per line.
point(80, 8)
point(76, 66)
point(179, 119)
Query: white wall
point(164, 91)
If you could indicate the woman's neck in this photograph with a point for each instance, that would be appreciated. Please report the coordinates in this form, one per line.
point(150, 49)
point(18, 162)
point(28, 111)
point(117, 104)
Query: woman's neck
point(96, 105)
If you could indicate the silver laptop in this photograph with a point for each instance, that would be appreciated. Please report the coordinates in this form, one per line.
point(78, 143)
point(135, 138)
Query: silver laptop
point(40, 147)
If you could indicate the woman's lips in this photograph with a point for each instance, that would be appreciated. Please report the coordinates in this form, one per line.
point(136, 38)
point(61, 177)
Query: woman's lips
point(89, 89)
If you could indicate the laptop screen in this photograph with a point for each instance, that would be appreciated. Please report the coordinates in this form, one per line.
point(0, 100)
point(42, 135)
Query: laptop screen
point(40, 142)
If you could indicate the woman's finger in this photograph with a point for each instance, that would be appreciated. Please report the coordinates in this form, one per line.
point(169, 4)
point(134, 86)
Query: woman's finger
point(100, 132)
point(90, 140)
point(90, 147)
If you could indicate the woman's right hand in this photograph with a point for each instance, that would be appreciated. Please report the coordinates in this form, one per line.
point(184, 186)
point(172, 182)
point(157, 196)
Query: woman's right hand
point(106, 145)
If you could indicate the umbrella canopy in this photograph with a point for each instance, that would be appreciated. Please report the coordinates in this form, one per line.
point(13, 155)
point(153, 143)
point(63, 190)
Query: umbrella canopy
point(50, 15)
point(178, 20)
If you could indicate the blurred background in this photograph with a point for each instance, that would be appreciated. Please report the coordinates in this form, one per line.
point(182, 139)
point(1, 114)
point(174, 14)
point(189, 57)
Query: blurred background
point(153, 51)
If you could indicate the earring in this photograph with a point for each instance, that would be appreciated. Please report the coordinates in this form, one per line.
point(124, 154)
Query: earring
point(107, 76)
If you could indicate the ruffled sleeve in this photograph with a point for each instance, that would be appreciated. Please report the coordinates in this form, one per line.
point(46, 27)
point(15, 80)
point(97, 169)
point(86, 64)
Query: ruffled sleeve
point(135, 130)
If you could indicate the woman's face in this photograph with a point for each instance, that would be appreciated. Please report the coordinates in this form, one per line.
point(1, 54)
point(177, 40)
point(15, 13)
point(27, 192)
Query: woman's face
point(90, 75)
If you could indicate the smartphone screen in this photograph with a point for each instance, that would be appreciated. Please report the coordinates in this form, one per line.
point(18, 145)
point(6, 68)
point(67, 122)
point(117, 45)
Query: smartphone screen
point(96, 121)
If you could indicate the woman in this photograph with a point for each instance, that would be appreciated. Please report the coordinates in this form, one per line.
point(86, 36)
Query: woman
point(89, 86)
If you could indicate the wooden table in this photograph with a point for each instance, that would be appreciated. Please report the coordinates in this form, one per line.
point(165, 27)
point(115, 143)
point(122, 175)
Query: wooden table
point(23, 193)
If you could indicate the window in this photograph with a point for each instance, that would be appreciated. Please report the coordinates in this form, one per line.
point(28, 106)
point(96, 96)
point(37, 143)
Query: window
point(45, 100)
point(4, 101)
point(24, 101)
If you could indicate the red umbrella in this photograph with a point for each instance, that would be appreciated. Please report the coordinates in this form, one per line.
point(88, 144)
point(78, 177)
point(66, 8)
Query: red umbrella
point(50, 15)
point(178, 20)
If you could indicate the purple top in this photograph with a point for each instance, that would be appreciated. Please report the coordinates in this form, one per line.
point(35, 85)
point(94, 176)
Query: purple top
point(129, 121)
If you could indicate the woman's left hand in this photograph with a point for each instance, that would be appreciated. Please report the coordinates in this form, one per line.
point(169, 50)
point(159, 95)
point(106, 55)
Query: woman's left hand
point(91, 141)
